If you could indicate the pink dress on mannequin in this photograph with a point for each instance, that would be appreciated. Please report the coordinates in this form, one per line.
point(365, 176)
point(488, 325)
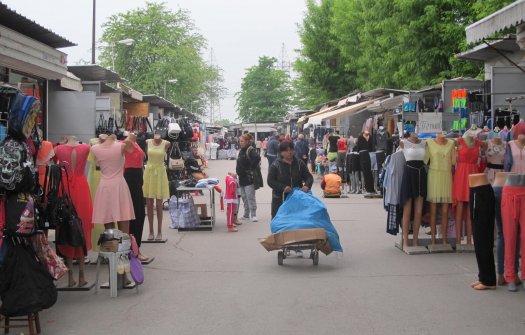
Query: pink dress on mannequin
point(74, 159)
point(112, 200)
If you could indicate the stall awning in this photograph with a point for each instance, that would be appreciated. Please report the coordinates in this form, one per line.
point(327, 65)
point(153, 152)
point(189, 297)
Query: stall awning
point(94, 72)
point(510, 16)
point(483, 52)
point(387, 104)
point(348, 110)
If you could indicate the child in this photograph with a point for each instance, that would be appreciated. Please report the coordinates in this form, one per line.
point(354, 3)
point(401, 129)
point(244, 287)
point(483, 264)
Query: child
point(231, 200)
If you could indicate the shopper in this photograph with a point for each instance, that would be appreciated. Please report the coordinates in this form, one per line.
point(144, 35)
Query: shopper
point(247, 161)
point(287, 173)
point(301, 149)
point(273, 149)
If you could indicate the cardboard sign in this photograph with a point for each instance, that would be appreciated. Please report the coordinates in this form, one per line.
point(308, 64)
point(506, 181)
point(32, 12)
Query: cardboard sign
point(430, 123)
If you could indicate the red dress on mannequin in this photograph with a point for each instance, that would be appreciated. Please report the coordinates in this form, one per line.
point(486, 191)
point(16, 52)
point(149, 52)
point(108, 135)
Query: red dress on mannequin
point(467, 163)
point(74, 158)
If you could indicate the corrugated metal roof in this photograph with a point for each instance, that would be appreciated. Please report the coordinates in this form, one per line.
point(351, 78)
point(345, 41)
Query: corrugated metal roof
point(161, 102)
point(94, 72)
point(19, 23)
point(507, 17)
point(483, 52)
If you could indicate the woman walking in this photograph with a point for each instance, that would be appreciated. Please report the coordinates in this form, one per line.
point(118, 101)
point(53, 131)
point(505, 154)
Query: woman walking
point(247, 161)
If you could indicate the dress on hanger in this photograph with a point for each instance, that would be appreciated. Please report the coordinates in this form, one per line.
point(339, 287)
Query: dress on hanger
point(467, 163)
point(441, 158)
point(74, 159)
point(112, 199)
point(155, 177)
point(495, 155)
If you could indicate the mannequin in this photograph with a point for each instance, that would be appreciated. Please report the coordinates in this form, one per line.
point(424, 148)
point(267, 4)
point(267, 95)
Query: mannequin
point(73, 156)
point(440, 154)
point(468, 151)
point(515, 155)
point(365, 147)
point(414, 186)
point(513, 219)
point(113, 201)
point(133, 173)
point(93, 179)
point(495, 150)
point(482, 213)
point(155, 183)
point(499, 181)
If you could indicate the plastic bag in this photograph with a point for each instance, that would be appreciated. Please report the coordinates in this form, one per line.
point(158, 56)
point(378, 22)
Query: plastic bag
point(301, 210)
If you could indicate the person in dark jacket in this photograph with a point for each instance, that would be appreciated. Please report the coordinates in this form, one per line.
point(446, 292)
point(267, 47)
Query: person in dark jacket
point(301, 149)
point(286, 173)
point(247, 160)
point(273, 150)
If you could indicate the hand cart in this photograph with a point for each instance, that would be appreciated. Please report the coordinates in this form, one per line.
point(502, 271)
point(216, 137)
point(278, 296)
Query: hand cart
point(300, 246)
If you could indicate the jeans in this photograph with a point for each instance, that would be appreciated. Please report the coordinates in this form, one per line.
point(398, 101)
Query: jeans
point(248, 199)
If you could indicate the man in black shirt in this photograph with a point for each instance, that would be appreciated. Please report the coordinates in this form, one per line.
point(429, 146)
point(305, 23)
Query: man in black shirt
point(332, 147)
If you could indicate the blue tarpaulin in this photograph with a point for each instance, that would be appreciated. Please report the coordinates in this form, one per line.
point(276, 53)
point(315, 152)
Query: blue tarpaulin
point(301, 210)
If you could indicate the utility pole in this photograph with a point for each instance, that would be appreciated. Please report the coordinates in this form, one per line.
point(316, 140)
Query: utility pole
point(93, 32)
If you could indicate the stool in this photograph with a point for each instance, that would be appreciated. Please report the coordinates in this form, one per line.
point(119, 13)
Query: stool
point(112, 257)
point(29, 319)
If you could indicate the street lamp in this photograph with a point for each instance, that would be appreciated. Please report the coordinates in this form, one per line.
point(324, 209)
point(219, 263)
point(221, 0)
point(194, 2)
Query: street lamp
point(127, 41)
point(171, 81)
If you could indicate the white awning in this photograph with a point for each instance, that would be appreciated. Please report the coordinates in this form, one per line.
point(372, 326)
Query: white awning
point(510, 16)
point(71, 82)
point(347, 110)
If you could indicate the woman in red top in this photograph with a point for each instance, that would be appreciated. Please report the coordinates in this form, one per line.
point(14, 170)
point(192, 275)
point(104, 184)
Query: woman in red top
point(134, 175)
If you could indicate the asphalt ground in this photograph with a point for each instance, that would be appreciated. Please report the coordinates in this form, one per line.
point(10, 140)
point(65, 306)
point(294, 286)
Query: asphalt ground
point(215, 282)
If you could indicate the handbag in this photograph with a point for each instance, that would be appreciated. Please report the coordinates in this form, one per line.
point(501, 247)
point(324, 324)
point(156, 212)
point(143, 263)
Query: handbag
point(54, 264)
point(175, 162)
point(137, 273)
point(183, 213)
point(20, 214)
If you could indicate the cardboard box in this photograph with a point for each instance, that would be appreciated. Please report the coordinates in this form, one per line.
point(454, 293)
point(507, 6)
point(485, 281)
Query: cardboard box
point(290, 237)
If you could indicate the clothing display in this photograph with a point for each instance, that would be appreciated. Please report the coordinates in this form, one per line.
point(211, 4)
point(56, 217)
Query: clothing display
point(366, 170)
point(467, 164)
point(155, 176)
point(440, 158)
point(513, 219)
point(44, 155)
point(495, 155)
point(414, 182)
point(113, 201)
point(393, 179)
point(74, 158)
point(515, 157)
point(482, 213)
point(134, 176)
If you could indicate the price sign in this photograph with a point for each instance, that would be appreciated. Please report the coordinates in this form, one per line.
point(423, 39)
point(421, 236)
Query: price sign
point(430, 123)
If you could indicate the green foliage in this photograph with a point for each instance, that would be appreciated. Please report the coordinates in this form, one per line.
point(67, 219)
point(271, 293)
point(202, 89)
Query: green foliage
point(366, 44)
point(265, 92)
point(166, 46)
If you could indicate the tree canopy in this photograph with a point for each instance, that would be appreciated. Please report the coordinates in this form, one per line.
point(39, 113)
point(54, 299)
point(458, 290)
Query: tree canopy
point(350, 45)
point(164, 57)
point(265, 92)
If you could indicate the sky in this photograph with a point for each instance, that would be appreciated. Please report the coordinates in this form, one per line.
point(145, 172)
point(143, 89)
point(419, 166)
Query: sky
point(238, 31)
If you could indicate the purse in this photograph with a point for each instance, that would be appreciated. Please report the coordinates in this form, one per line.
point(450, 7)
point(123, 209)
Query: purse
point(175, 162)
point(54, 264)
point(135, 265)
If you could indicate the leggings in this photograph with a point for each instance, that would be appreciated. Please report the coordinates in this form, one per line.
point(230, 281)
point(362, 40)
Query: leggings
point(134, 179)
point(482, 213)
point(513, 217)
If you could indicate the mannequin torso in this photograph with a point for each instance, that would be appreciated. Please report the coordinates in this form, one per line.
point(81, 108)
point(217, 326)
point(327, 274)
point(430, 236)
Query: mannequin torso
point(478, 179)
point(515, 180)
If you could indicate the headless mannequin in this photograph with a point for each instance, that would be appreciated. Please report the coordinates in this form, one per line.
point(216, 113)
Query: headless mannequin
point(515, 180)
point(73, 142)
point(407, 208)
point(157, 140)
point(462, 207)
point(441, 140)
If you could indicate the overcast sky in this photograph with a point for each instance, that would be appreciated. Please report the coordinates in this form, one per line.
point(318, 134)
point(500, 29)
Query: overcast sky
point(238, 31)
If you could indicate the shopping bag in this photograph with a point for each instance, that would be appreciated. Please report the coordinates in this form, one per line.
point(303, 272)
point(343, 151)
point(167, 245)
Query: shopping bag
point(183, 213)
point(54, 265)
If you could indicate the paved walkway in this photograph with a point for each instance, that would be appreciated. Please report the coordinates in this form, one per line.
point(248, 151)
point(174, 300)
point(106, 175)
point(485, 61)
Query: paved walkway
point(226, 283)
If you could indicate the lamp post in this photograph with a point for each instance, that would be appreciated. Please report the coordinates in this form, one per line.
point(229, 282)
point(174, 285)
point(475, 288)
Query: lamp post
point(171, 81)
point(127, 41)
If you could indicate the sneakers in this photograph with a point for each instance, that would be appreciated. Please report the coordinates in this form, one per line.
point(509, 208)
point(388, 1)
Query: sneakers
point(233, 230)
point(254, 219)
point(511, 287)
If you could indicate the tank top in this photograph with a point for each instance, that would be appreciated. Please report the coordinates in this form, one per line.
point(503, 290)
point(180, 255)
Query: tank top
point(413, 151)
point(518, 157)
point(496, 153)
point(134, 159)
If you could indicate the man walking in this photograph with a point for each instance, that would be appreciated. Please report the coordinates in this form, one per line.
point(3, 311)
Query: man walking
point(301, 149)
point(272, 150)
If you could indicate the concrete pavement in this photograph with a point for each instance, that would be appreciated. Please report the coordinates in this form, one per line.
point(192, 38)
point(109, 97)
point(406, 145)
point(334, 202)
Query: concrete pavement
point(227, 283)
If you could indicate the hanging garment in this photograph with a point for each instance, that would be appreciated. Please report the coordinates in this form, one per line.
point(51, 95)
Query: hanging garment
point(440, 158)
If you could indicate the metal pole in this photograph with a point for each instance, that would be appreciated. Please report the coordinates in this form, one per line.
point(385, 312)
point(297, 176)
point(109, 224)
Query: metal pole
point(93, 33)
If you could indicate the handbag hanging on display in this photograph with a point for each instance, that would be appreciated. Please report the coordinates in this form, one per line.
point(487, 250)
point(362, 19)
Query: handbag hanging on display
point(176, 162)
point(54, 264)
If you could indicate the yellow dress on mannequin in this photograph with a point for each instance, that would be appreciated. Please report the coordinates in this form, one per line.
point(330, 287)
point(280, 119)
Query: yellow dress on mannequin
point(441, 158)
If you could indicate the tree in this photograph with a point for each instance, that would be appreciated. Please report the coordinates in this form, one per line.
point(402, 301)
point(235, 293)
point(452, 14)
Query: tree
point(265, 92)
point(165, 46)
point(366, 44)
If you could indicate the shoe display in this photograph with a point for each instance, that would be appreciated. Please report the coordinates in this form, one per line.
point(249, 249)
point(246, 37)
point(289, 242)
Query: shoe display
point(254, 219)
